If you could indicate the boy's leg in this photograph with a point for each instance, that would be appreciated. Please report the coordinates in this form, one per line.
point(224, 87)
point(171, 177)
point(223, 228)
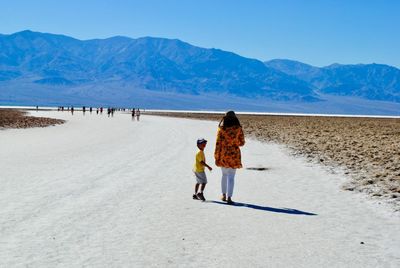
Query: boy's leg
point(200, 195)
point(203, 186)
point(196, 188)
point(202, 180)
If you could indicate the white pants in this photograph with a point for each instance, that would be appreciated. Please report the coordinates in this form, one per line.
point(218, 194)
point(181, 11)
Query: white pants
point(228, 180)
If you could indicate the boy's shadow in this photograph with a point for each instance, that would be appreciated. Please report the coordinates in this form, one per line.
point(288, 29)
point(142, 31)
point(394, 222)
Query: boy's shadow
point(269, 209)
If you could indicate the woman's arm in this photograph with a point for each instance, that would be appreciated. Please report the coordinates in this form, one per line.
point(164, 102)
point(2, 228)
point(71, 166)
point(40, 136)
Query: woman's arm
point(241, 137)
point(217, 152)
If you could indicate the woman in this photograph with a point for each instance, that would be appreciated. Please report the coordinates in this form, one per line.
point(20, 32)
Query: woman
point(227, 152)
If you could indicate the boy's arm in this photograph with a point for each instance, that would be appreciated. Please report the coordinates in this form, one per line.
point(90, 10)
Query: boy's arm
point(205, 164)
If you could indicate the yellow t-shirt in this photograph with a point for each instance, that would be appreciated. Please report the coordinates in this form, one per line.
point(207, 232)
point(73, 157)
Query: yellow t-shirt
point(199, 157)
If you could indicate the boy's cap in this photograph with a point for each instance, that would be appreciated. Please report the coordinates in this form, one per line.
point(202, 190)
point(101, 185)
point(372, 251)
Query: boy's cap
point(201, 140)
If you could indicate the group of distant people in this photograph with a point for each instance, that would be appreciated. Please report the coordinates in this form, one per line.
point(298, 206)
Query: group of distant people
point(135, 113)
point(110, 110)
point(62, 108)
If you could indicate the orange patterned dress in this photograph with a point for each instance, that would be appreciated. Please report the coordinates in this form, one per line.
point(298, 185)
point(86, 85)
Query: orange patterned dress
point(227, 151)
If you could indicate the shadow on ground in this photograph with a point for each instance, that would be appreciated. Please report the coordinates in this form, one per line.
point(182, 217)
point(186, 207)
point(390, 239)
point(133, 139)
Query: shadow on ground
point(269, 209)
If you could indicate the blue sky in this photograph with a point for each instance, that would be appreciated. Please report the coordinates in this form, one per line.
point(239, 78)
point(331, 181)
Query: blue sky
point(318, 32)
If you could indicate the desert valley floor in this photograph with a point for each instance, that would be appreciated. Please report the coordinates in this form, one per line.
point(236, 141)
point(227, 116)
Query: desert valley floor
point(112, 192)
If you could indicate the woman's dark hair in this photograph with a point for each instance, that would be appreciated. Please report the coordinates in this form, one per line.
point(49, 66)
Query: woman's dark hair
point(229, 120)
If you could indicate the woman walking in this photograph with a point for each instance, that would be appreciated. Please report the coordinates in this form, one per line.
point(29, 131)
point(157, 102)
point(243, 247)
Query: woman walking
point(227, 152)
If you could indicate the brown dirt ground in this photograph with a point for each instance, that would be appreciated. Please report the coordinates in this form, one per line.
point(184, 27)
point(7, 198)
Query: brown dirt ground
point(367, 149)
point(10, 118)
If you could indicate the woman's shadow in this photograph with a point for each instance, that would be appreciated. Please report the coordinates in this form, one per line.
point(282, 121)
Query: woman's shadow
point(269, 209)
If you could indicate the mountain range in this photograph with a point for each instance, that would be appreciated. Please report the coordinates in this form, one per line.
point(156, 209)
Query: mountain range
point(50, 69)
point(370, 81)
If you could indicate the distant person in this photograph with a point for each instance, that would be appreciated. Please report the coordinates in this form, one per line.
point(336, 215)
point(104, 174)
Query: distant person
point(90, 109)
point(198, 169)
point(227, 152)
point(108, 111)
point(37, 108)
point(133, 114)
point(72, 110)
point(137, 114)
point(101, 110)
point(97, 111)
point(84, 110)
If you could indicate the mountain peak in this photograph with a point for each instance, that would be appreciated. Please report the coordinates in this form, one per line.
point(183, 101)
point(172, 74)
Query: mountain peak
point(25, 33)
point(30, 35)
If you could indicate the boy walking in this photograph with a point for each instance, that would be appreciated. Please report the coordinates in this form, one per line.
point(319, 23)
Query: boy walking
point(198, 169)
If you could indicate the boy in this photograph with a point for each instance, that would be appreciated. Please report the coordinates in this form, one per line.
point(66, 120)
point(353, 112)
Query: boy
point(198, 170)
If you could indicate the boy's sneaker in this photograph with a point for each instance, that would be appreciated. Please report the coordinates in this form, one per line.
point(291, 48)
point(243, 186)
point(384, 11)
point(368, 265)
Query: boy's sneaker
point(201, 196)
point(195, 197)
point(229, 201)
point(223, 198)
